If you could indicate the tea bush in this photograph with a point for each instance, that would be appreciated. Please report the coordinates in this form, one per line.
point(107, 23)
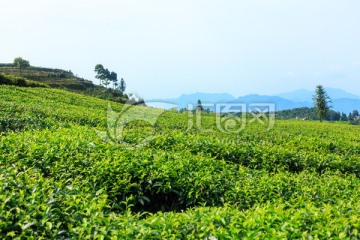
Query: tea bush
point(19, 81)
point(59, 179)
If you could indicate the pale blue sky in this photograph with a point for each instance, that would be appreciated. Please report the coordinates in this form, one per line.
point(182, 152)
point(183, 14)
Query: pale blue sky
point(164, 48)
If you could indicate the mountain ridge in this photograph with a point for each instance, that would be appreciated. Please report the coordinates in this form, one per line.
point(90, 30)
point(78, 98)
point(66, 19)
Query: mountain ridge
point(306, 95)
point(342, 101)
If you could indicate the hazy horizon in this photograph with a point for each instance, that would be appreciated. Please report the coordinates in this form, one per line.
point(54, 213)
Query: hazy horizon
point(165, 49)
point(255, 93)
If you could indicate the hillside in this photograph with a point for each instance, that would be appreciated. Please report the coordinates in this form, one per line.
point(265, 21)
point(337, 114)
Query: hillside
point(60, 179)
point(58, 78)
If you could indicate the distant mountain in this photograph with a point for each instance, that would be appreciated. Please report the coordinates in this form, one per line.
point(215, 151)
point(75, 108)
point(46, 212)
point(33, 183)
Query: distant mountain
point(300, 95)
point(303, 95)
point(345, 105)
point(280, 103)
point(209, 98)
point(185, 99)
point(336, 93)
point(342, 101)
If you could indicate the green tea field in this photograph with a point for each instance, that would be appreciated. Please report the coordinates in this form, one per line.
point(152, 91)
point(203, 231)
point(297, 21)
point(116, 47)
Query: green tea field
point(60, 179)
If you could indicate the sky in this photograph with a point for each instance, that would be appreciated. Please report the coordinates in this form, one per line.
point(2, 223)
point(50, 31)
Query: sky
point(165, 48)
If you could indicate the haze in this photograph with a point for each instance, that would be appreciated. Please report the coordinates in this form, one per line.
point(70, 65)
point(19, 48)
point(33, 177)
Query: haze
point(166, 48)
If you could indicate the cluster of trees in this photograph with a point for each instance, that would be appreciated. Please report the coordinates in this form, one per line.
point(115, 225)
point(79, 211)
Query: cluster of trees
point(354, 116)
point(337, 116)
point(21, 63)
point(106, 77)
point(306, 113)
point(323, 108)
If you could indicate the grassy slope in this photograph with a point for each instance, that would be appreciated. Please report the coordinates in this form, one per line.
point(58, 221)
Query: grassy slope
point(58, 178)
point(19, 81)
point(58, 78)
point(54, 77)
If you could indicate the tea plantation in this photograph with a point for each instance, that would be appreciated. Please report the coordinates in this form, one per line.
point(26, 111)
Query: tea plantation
point(59, 179)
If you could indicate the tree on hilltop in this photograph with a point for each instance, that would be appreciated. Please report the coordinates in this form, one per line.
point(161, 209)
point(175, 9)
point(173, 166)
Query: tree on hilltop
point(113, 78)
point(21, 63)
point(103, 74)
point(106, 77)
point(100, 73)
point(106, 81)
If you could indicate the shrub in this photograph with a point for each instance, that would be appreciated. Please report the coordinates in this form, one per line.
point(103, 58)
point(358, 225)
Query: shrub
point(20, 81)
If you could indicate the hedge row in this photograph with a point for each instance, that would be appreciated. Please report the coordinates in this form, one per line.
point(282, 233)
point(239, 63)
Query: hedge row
point(19, 81)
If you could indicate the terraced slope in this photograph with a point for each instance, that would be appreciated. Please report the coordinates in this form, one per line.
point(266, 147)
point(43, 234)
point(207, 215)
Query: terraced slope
point(62, 79)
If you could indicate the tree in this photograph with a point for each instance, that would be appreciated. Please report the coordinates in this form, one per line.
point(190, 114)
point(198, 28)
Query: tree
point(355, 113)
point(334, 116)
point(106, 80)
point(113, 78)
point(122, 85)
point(199, 106)
point(21, 63)
point(354, 116)
point(344, 117)
point(100, 73)
point(321, 102)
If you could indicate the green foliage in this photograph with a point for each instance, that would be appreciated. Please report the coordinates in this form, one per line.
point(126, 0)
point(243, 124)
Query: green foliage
point(306, 113)
point(19, 81)
point(354, 117)
point(321, 102)
point(102, 74)
point(59, 179)
point(122, 85)
point(21, 63)
point(199, 106)
point(105, 77)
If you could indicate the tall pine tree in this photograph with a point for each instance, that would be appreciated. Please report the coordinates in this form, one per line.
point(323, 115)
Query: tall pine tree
point(321, 102)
